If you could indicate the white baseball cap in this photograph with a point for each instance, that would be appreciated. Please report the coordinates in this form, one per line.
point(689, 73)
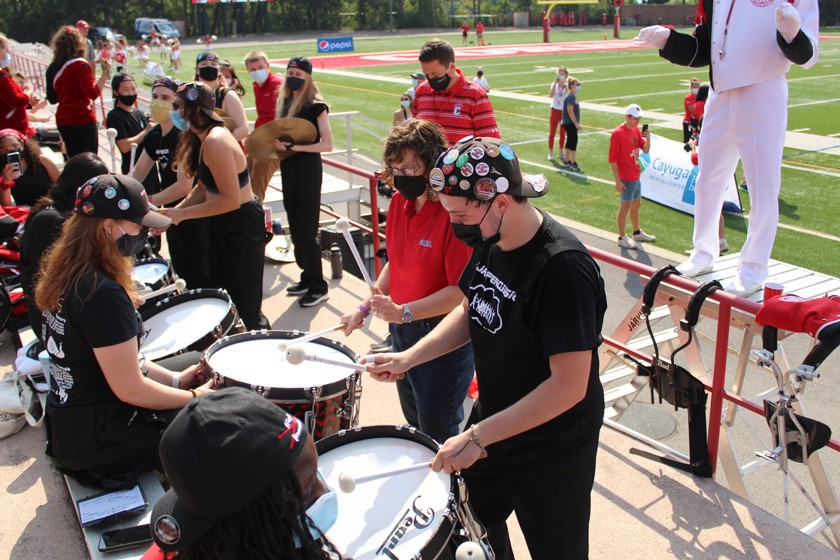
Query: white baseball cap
point(633, 110)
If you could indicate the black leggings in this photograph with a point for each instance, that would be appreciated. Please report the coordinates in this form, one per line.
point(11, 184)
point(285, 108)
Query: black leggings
point(79, 138)
point(237, 259)
point(571, 136)
point(189, 249)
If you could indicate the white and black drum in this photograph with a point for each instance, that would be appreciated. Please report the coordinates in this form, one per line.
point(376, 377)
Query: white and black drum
point(419, 514)
point(155, 273)
point(325, 397)
point(191, 321)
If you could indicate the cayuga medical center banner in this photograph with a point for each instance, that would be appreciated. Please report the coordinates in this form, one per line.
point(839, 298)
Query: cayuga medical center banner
point(669, 177)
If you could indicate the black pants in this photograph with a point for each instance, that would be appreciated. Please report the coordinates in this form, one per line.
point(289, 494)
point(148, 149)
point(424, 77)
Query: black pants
point(301, 175)
point(237, 259)
point(547, 479)
point(80, 138)
point(189, 249)
point(686, 131)
point(571, 136)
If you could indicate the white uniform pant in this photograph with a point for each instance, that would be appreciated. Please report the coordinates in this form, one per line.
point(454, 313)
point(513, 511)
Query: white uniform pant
point(749, 121)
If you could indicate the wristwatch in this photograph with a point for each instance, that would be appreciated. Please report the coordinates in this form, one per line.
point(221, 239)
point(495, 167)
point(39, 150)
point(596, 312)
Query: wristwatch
point(407, 315)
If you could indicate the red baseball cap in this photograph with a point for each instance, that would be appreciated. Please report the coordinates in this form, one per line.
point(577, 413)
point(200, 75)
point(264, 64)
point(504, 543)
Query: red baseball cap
point(82, 24)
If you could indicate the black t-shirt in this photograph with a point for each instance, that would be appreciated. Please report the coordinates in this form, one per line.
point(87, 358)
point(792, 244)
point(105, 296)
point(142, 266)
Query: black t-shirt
point(310, 113)
point(31, 186)
point(521, 315)
point(40, 233)
point(128, 124)
point(161, 148)
point(98, 313)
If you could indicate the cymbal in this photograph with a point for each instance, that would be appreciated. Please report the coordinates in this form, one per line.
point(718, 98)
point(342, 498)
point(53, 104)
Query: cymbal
point(230, 124)
point(260, 143)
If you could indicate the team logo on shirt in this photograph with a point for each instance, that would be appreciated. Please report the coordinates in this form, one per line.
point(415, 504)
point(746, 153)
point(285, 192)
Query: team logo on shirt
point(457, 110)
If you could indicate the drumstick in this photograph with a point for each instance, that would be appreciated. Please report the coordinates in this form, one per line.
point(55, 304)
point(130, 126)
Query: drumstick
point(296, 355)
point(179, 285)
point(343, 225)
point(131, 161)
point(347, 482)
point(112, 140)
point(283, 346)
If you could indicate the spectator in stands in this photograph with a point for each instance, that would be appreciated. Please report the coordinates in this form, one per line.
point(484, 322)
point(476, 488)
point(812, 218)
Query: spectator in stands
point(416, 79)
point(449, 99)
point(266, 91)
point(270, 501)
point(130, 123)
point(71, 84)
point(228, 72)
point(207, 69)
point(90, 53)
point(403, 114)
point(43, 226)
point(36, 175)
point(481, 80)
point(558, 95)
point(14, 99)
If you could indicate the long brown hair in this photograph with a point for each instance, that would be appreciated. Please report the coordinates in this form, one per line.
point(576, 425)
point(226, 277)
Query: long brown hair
point(84, 248)
point(189, 144)
point(67, 43)
point(308, 95)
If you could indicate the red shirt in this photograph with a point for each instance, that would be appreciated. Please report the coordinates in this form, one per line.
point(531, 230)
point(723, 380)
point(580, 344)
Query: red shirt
point(479, 27)
point(699, 110)
point(424, 256)
point(75, 90)
point(266, 98)
point(13, 103)
point(465, 28)
point(461, 111)
point(689, 101)
point(625, 144)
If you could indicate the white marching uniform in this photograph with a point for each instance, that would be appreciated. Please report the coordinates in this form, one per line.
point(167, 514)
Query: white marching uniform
point(746, 116)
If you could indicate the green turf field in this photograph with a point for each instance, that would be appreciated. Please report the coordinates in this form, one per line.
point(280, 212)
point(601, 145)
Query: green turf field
point(810, 198)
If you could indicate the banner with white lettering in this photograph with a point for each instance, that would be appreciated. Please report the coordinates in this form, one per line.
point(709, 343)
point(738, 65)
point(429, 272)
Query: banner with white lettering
point(669, 177)
point(337, 44)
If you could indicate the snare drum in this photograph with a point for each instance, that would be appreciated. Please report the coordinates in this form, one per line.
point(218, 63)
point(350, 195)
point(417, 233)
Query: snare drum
point(420, 514)
point(324, 397)
point(154, 273)
point(189, 321)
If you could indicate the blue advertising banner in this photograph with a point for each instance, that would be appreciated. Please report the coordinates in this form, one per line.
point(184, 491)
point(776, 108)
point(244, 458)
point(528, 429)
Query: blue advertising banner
point(337, 44)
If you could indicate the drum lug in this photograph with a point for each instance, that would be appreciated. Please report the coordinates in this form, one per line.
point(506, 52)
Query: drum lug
point(314, 394)
point(260, 390)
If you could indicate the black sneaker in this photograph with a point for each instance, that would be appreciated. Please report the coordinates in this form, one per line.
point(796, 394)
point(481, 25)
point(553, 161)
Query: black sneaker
point(312, 299)
point(297, 289)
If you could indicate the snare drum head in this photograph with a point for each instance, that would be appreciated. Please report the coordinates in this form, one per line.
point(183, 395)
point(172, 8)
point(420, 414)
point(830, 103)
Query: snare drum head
point(149, 272)
point(180, 325)
point(401, 513)
point(259, 361)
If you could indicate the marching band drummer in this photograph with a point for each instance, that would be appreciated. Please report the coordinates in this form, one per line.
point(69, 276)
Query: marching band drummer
point(207, 69)
point(249, 487)
point(208, 151)
point(533, 311)
point(106, 409)
point(419, 285)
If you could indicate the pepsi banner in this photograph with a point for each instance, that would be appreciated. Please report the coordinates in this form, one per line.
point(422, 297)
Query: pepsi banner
point(337, 44)
point(669, 177)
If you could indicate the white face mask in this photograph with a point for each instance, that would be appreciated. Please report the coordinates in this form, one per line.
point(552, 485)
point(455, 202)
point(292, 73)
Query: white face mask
point(695, 90)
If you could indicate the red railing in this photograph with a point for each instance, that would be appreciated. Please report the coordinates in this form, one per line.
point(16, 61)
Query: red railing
point(726, 303)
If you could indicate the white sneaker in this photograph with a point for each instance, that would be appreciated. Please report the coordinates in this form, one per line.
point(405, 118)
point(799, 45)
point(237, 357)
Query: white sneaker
point(550, 156)
point(642, 236)
point(690, 269)
point(626, 242)
point(724, 246)
point(740, 287)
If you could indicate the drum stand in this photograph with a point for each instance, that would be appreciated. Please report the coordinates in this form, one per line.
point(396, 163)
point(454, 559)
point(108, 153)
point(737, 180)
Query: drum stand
point(476, 547)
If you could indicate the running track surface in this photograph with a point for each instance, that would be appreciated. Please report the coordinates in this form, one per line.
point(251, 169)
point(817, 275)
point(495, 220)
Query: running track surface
point(410, 57)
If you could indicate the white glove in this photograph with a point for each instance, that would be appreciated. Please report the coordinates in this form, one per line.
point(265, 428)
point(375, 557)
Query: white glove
point(654, 36)
point(787, 21)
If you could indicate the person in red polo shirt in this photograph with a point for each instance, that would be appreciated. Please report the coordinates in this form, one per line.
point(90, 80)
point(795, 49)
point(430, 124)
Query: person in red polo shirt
point(625, 144)
point(465, 30)
point(71, 84)
point(419, 285)
point(448, 98)
point(266, 91)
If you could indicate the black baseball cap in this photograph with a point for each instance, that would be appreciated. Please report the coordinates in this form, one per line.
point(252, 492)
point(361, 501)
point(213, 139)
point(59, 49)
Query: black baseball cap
point(419, 75)
point(300, 62)
point(119, 78)
point(206, 55)
point(119, 197)
point(220, 453)
point(481, 168)
point(200, 94)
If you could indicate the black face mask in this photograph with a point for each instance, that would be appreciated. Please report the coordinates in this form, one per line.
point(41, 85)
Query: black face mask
point(208, 73)
point(410, 186)
point(127, 99)
point(471, 236)
point(130, 245)
point(295, 83)
point(440, 84)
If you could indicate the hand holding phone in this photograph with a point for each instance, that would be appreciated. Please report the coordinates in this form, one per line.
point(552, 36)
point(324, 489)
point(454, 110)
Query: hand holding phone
point(13, 161)
point(644, 127)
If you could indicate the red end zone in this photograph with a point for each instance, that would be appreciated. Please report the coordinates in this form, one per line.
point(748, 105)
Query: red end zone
point(410, 57)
